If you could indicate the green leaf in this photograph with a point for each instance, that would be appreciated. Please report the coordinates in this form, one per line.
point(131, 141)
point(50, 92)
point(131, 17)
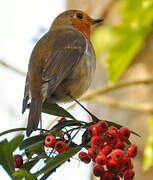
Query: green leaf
point(148, 153)
point(128, 142)
point(58, 160)
point(6, 153)
point(39, 139)
point(55, 109)
point(15, 142)
point(63, 124)
point(28, 165)
point(24, 173)
point(85, 137)
point(137, 10)
point(32, 141)
point(111, 123)
point(151, 122)
point(133, 132)
point(6, 157)
point(122, 42)
point(12, 130)
point(36, 149)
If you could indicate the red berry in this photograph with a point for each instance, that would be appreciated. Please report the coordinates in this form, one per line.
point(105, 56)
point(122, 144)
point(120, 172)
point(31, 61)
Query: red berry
point(98, 171)
point(97, 142)
point(60, 146)
point(111, 137)
point(83, 156)
point(129, 174)
point(132, 150)
point(50, 140)
point(106, 149)
point(102, 126)
point(101, 159)
point(112, 165)
point(126, 163)
point(124, 133)
point(119, 145)
point(102, 178)
point(92, 153)
point(131, 166)
point(87, 160)
point(116, 177)
point(93, 130)
point(109, 175)
point(113, 128)
point(62, 119)
point(117, 155)
point(18, 161)
point(121, 174)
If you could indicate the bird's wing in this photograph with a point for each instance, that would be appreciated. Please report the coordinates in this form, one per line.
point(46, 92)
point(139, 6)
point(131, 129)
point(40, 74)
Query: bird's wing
point(68, 49)
point(26, 95)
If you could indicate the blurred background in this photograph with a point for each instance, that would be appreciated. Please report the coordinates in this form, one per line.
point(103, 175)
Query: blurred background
point(124, 49)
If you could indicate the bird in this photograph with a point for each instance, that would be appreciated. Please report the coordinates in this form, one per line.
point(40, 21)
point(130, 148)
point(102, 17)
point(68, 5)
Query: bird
point(61, 66)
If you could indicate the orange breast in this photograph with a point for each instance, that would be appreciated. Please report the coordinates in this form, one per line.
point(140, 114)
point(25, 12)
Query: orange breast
point(83, 26)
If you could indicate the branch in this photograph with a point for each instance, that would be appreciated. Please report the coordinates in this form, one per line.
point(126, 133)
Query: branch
point(109, 88)
point(93, 93)
point(145, 107)
point(11, 68)
point(130, 106)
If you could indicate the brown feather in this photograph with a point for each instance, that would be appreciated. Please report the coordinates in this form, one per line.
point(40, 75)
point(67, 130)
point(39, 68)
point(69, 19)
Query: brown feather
point(34, 115)
point(26, 95)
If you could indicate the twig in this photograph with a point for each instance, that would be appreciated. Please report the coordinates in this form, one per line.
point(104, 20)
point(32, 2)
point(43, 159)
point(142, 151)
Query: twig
point(56, 118)
point(12, 68)
point(93, 93)
point(94, 118)
point(130, 106)
point(51, 122)
point(109, 88)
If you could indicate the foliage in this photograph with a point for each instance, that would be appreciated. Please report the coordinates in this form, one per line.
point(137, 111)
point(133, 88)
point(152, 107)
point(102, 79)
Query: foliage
point(6, 153)
point(148, 152)
point(34, 150)
point(122, 42)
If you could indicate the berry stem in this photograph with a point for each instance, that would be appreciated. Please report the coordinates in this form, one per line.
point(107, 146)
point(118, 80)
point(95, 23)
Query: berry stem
point(94, 118)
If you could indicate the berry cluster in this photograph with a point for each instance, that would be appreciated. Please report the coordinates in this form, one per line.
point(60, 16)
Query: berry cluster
point(50, 141)
point(108, 147)
point(110, 151)
point(58, 145)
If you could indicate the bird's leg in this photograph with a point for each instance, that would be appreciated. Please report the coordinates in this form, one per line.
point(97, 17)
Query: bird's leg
point(94, 118)
point(41, 131)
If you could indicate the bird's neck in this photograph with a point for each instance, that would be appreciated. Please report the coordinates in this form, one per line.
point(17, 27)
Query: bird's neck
point(85, 28)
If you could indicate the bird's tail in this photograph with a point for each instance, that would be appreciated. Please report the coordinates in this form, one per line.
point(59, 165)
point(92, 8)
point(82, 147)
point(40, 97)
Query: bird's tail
point(34, 115)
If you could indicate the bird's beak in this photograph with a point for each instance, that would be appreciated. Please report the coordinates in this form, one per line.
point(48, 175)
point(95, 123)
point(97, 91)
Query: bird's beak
point(96, 21)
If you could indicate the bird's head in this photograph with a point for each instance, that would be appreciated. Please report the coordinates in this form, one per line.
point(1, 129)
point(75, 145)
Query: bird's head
point(78, 19)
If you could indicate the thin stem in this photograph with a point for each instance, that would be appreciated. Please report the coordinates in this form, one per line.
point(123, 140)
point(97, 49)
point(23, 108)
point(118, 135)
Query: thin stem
point(111, 102)
point(93, 93)
point(3, 63)
point(94, 118)
point(109, 88)
point(51, 122)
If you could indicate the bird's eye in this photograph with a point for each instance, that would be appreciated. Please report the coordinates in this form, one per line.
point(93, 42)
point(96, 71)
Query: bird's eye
point(79, 15)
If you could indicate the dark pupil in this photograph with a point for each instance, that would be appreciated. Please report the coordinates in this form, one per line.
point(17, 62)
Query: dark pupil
point(80, 16)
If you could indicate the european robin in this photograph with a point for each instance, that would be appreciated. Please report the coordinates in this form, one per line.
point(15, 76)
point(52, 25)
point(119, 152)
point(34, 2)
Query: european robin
point(61, 65)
